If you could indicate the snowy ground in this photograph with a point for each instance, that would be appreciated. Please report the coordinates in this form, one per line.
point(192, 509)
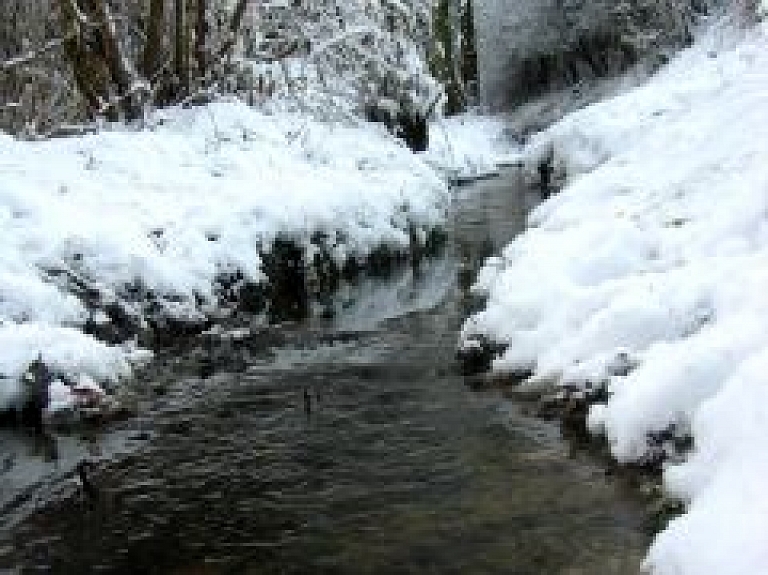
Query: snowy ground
point(655, 254)
point(170, 208)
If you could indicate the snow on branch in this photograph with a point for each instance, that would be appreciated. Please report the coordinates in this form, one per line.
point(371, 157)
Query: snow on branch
point(343, 37)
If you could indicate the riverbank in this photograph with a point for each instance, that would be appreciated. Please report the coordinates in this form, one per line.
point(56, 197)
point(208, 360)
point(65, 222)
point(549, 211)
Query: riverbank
point(639, 290)
point(112, 236)
point(347, 444)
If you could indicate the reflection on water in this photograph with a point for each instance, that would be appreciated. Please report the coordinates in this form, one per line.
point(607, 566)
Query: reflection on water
point(353, 448)
point(365, 305)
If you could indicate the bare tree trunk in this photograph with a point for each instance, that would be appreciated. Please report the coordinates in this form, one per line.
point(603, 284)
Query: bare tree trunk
point(152, 58)
point(201, 34)
point(101, 70)
point(237, 17)
point(83, 47)
point(111, 51)
point(181, 48)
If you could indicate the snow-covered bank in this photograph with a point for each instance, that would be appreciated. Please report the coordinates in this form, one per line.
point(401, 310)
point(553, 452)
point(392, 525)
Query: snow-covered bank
point(654, 261)
point(131, 220)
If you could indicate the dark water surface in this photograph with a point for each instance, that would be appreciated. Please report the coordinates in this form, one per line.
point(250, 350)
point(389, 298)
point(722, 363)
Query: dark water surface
point(351, 447)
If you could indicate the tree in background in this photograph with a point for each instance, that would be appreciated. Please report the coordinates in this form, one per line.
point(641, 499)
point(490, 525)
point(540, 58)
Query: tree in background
point(338, 59)
point(444, 58)
point(116, 59)
point(453, 57)
point(544, 46)
point(69, 60)
point(102, 73)
point(341, 56)
point(124, 61)
point(36, 88)
point(468, 53)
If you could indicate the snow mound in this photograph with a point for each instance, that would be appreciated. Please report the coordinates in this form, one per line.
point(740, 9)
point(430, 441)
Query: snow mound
point(166, 211)
point(65, 350)
point(656, 251)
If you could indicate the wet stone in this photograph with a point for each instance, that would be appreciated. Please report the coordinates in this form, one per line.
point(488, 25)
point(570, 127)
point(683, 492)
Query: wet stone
point(477, 355)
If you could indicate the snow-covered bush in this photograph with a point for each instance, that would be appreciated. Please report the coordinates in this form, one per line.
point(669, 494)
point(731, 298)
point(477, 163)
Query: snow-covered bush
point(339, 58)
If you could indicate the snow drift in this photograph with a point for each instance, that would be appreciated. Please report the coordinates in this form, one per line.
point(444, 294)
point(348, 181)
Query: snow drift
point(656, 254)
point(109, 218)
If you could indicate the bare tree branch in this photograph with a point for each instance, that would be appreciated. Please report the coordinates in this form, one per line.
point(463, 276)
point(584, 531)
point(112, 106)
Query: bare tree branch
point(234, 28)
point(22, 59)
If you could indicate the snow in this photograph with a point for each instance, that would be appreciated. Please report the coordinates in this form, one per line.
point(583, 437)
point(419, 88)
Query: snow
point(471, 146)
point(655, 256)
point(63, 349)
point(60, 396)
point(169, 208)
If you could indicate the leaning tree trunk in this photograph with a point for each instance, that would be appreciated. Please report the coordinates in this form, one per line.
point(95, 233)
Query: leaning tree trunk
point(92, 49)
point(91, 72)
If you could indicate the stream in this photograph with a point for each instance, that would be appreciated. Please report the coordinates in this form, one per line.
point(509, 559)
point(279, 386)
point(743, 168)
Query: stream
point(347, 445)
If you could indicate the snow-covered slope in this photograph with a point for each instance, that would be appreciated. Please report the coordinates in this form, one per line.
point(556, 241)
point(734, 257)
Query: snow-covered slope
point(656, 254)
point(471, 146)
point(168, 209)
